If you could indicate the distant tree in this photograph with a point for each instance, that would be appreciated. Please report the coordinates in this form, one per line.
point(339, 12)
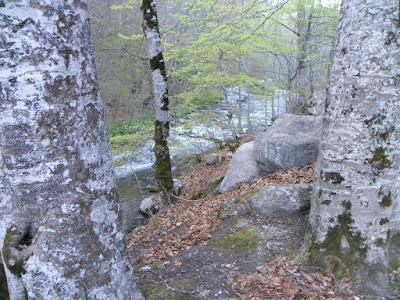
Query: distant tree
point(304, 19)
point(151, 31)
point(355, 216)
point(60, 229)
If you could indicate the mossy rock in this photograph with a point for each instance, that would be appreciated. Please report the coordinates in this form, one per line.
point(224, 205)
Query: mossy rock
point(244, 239)
point(238, 206)
point(159, 291)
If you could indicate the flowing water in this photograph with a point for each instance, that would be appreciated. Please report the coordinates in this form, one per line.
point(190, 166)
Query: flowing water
point(197, 133)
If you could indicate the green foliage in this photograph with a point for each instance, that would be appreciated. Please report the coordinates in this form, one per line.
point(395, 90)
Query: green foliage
point(139, 125)
point(125, 142)
point(126, 135)
point(210, 47)
point(190, 102)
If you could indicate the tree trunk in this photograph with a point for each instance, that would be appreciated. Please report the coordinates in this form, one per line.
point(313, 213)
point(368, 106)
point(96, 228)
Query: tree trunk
point(60, 229)
point(3, 283)
point(151, 31)
point(239, 114)
point(355, 216)
point(304, 23)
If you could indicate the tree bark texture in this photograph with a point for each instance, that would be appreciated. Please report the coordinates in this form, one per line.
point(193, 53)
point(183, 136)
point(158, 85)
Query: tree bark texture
point(151, 31)
point(355, 216)
point(60, 228)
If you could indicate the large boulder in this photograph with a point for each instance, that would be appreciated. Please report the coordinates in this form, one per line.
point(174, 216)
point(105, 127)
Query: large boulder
point(281, 200)
point(291, 141)
point(242, 168)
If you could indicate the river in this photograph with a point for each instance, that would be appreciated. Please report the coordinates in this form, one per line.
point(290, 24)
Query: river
point(198, 133)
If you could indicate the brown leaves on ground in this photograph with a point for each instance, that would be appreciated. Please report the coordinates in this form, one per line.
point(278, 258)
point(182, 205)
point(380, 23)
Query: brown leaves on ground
point(199, 179)
point(284, 279)
point(189, 223)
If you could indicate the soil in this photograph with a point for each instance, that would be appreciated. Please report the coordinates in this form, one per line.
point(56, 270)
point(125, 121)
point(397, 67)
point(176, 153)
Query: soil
point(193, 249)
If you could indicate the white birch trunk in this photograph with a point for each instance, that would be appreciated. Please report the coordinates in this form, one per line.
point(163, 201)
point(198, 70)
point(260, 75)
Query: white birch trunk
point(355, 216)
point(60, 229)
point(151, 31)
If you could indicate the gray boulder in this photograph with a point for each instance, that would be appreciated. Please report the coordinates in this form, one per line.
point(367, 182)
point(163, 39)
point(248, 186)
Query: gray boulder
point(281, 200)
point(178, 187)
point(148, 206)
point(242, 168)
point(211, 159)
point(291, 141)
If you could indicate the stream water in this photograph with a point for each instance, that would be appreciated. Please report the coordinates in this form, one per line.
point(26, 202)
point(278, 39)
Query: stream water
point(197, 133)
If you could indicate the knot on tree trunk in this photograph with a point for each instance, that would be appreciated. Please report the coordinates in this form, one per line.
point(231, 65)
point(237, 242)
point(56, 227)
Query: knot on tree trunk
point(17, 249)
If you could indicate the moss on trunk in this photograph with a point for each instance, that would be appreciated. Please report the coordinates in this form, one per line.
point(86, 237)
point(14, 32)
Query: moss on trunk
point(162, 165)
point(342, 249)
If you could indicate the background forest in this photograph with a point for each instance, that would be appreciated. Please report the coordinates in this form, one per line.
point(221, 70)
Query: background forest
point(269, 171)
point(277, 51)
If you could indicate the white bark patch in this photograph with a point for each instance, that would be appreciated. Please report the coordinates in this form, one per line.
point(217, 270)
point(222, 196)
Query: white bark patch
point(56, 178)
point(359, 164)
point(153, 43)
point(160, 89)
point(50, 276)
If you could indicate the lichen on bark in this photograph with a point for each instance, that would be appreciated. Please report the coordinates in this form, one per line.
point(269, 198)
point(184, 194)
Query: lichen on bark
point(163, 172)
point(357, 202)
point(60, 229)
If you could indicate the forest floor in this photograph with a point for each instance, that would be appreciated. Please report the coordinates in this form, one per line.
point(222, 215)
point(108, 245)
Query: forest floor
point(212, 246)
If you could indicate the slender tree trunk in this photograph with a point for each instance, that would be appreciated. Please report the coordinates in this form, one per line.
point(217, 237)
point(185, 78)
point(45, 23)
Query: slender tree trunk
point(274, 94)
point(240, 126)
point(304, 23)
point(60, 229)
point(355, 216)
point(151, 31)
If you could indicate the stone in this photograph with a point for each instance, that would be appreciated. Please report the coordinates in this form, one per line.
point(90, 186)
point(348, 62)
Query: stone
point(291, 141)
point(242, 168)
point(229, 139)
point(178, 187)
point(231, 142)
point(211, 159)
point(282, 200)
point(131, 215)
point(145, 269)
point(148, 206)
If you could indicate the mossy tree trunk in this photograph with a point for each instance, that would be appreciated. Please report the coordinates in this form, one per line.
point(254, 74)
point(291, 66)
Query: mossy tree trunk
point(60, 229)
point(355, 216)
point(151, 31)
